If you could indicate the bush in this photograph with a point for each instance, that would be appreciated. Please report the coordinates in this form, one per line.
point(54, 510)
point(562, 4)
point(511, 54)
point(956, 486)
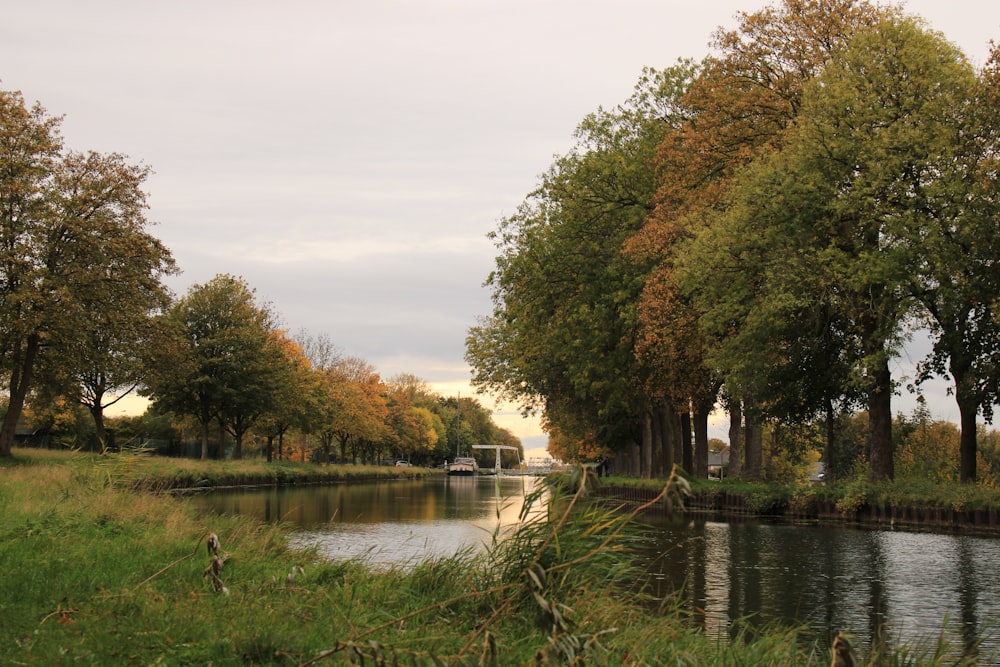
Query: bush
point(853, 498)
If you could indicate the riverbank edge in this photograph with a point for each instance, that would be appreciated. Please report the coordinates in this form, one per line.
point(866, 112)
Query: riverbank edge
point(279, 478)
point(859, 505)
point(272, 478)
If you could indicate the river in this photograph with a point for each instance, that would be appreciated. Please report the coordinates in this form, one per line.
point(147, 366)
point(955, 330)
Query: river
point(914, 585)
point(387, 523)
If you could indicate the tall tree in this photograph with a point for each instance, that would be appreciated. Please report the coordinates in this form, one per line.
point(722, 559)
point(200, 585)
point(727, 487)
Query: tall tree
point(217, 360)
point(353, 411)
point(74, 249)
point(110, 361)
point(263, 371)
point(295, 395)
point(416, 428)
point(736, 110)
point(958, 275)
point(840, 215)
point(884, 123)
point(561, 336)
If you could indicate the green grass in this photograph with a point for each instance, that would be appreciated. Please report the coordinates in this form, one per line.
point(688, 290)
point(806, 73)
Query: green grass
point(95, 573)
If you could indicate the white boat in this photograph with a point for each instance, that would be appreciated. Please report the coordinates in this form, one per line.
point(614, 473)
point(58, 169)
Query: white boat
point(463, 466)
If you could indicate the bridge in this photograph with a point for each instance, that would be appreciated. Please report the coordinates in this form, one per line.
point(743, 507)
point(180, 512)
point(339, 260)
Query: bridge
point(498, 448)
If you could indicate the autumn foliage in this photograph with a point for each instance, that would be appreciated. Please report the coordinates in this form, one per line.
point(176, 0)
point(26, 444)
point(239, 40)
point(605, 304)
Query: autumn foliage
point(761, 230)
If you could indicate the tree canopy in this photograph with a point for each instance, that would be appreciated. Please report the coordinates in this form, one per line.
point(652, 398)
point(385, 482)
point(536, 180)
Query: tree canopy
point(78, 266)
point(218, 357)
point(811, 195)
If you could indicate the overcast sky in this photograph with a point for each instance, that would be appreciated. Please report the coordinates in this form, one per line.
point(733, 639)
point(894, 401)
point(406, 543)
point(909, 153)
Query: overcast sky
point(348, 157)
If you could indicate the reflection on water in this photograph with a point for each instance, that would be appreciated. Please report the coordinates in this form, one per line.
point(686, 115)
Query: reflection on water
point(908, 587)
point(913, 584)
point(387, 522)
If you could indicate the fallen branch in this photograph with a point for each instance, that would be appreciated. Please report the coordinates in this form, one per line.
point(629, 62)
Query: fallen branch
point(158, 573)
point(63, 615)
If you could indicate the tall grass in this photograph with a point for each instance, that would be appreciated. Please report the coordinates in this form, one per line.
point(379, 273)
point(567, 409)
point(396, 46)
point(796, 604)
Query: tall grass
point(98, 574)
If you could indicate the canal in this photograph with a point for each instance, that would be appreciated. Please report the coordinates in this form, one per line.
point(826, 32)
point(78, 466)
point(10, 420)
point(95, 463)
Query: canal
point(913, 586)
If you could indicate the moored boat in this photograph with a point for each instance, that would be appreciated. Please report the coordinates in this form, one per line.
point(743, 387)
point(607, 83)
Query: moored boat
point(463, 466)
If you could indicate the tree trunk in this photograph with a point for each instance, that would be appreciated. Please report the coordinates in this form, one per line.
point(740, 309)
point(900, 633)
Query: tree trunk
point(753, 454)
point(735, 439)
point(687, 450)
point(20, 378)
point(646, 449)
point(829, 451)
point(668, 429)
point(97, 412)
point(204, 440)
point(9, 427)
point(700, 470)
point(880, 424)
point(659, 447)
point(968, 410)
point(634, 468)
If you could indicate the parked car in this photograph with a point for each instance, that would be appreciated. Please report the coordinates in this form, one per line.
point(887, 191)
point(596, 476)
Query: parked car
point(402, 464)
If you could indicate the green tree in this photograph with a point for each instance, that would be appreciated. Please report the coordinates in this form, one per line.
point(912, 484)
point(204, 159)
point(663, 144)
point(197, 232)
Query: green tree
point(217, 359)
point(264, 370)
point(109, 349)
point(416, 427)
point(838, 215)
point(958, 275)
point(467, 422)
point(74, 251)
point(737, 109)
point(903, 89)
point(562, 332)
point(296, 394)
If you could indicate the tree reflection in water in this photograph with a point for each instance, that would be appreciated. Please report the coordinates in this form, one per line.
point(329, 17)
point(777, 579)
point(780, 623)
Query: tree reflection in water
point(892, 586)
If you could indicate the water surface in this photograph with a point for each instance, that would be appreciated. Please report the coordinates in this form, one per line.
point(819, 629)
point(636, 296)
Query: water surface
point(909, 586)
point(388, 522)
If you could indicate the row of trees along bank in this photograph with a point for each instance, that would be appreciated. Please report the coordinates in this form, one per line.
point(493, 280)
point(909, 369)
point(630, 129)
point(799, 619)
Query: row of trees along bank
point(223, 361)
point(85, 320)
point(763, 230)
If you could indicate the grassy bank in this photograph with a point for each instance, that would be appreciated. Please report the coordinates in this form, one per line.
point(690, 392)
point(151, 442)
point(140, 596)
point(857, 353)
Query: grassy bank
point(913, 503)
point(96, 573)
point(154, 473)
